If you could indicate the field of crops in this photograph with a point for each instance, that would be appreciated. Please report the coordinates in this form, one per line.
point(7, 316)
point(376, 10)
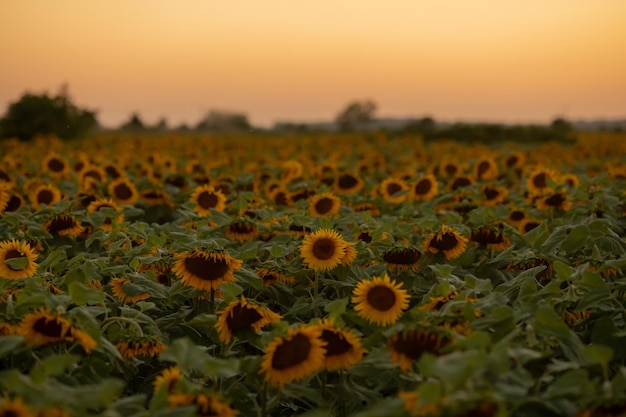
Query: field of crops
point(331, 275)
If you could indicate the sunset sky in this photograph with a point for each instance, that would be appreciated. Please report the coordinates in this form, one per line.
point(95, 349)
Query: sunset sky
point(487, 60)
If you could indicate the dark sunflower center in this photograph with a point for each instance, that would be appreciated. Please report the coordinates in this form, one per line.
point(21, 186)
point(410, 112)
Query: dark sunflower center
point(393, 188)
point(365, 237)
point(12, 254)
point(93, 174)
point(539, 180)
point(402, 257)
point(446, 241)
point(381, 298)
point(296, 228)
point(517, 215)
point(206, 269)
point(323, 205)
point(555, 200)
point(61, 223)
point(450, 169)
point(460, 182)
point(483, 167)
point(347, 182)
point(241, 228)
point(4, 176)
point(414, 344)
point(177, 181)
point(122, 191)
point(302, 195)
point(13, 204)
point(423, 187)
point(486, 236)
point(530, 226)
point(270, 277)
point(324, 249)
point(280, 198)
point(511, 161)
point(49, 328)
point(491, 193)
point(112, 171)
point(242, 317)
point(207, 200)
point(56, 165)
point(336, 344)
point(45, 197)
point(291, 352)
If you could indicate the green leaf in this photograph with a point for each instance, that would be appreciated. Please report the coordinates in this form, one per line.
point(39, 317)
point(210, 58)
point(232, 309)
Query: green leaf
point(576, 238)
point(52, 365)
point(82, 294)
point(597, 354)
point(231, 289)
point(337, 307)
point(17, 264)
point(8, 344)
point(276, 251)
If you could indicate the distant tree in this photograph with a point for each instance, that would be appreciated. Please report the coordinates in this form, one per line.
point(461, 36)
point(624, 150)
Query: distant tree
point(42, 114)
point(161, 124)
point(133, 123)
point(219, 121)
point(355, 113)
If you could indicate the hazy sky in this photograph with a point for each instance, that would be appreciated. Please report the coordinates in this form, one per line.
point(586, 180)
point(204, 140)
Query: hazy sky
point(300, 60)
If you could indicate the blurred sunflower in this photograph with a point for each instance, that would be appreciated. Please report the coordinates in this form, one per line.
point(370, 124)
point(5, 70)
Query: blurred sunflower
point(343, 348)
point(294, 356)
point(393, 190)
point(169, 377)
point(155, 196)
point(123, 191)
point(206, 199)
point(126, 291)
point(528, 225)
point(54, 165)
point(555, 201)
point(106, 203)
point(513, 161)
point(205, 270)
point(43, 327)
point(349, 255)
point(242, 230)
point(491, 237)
point(270, 276)
point(570, 180)
point(538, 180)
point(402, 259)
point(44, 194)
point(486, 169)
point(494, 195)
point(17, 260)
point(145, 346)
point(348, 184)
point(517, 216)
point(408, 346)
point(436, 303)
point(366, 207)
point(4, 197)
point(448, 241)
point(240, 315)
point(424, 188)
point(380, 300)
point(15, 407)
point(325, 204)
point(13, 203)
point(205, 405)
point(460, 181)
point(323, 250)
point(64, 225)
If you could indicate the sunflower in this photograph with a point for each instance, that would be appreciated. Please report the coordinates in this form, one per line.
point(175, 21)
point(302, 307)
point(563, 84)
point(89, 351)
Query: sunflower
point(270, 276)
point(494, 195)
point(205, 270)
point(301, 194)
point(323, 250)
point(490, 237)
point(206, 199)
point(44, 194)
point(436, 303)
point(94, 172)
point(325, 204)
point(486, 169)
point(123, 191)
point(555, 201)
point(393, 190)
point(125, 291)
point(380, 300)
point(5, 196)
point(15, 408)
point(54, 165)
point(104, 203)
point(528, 225)
point(449, 168)
point(242, 230)
point(448, 241)
point(347, 184)
point(155, 196)
point(6, 328)
point(64, 225)
point(281, 197)
point(517, 216)
point(460, 181)
point(143, 347)
point(408, 346)
point(17, 260)
point(349, 255)
point(14, 202)
point(514, 160)
point(343, 348)
point(402, 259)
point(570, 180)
point(240, 315)
point(424, 188)
point(205, 405)
point(169, 378)
point(369, 207)
point(294, 356)
point(538, 180)
point(43, 327)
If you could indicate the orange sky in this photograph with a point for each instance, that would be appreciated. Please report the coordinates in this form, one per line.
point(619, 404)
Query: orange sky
point(494, 60)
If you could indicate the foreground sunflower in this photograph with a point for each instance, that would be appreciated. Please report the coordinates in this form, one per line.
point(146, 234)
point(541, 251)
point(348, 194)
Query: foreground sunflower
point(448, 241)
point(343, 348)
point(408, 346)
point(205, 405)
point(241, 315)
point(43, 327)
point(17, 260)
point(205, 270)
point(380, 300)
point(294, 356)
point(323, 250)
point(206, 199)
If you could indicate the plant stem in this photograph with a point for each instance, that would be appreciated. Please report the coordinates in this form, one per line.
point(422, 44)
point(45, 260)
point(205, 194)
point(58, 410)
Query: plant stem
point(212, 302)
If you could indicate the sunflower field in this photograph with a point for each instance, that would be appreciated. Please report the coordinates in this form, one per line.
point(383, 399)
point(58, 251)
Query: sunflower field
point(323, 275)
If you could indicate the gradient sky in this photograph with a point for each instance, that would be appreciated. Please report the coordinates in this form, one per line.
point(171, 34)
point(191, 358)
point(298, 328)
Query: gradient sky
point(490, 60)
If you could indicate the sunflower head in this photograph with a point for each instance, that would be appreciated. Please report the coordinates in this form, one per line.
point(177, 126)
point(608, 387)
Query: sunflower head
point(326, 204)
point(64, 225)
point(123, 191)
point(241, 315)
point(347, 183)
point(205, 270)
point(207, 198)
point(342, 347)
point(408, 346)
point(448, 241)
point(424, 188)
point(380, 300)
point(17, 259)
point(323, 250)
